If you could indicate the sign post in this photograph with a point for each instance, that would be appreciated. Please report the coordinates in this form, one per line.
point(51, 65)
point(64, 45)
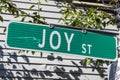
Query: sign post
point(61, 40)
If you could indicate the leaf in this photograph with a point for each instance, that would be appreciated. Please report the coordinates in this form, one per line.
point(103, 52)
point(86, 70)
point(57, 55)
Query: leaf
point(52, 54)
point(1, 18)
point(33, 52)
point(23, 19)
point(27, 51)
point(22, 12)
point(17, 12)
point(97, 64)
point(41, 54)
point(83, 62)
point(46, 0)
point(89, 61)
point(16, 16)
point(31, 7)
point(30, 21)
point(35, 13)
point(38, 3)
point(5, 30)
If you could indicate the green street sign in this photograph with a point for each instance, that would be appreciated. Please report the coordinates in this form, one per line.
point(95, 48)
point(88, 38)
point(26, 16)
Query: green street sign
point(61, 40)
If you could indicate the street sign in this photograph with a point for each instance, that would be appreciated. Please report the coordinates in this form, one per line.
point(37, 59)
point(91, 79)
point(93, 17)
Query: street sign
point(61, 40)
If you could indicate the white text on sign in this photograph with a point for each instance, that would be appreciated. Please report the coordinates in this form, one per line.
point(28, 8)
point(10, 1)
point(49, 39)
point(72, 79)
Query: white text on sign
point(86, 48)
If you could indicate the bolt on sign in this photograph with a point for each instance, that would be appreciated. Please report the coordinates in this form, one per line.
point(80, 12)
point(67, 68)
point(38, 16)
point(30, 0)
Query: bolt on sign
point(61, 40)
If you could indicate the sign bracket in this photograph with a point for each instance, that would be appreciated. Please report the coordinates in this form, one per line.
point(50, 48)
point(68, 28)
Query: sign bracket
point(52, 26)
point(105, 32)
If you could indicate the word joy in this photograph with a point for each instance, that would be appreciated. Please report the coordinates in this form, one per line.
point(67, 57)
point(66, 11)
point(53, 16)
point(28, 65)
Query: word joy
point(86, 48)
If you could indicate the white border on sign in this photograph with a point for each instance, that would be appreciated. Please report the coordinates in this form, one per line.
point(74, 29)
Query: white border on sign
point(57, 52)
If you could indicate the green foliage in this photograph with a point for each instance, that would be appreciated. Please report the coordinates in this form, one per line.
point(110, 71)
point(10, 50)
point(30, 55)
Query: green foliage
point(86, 17)
point(41, 54)
point(90, 62)
point(8, 7)
point(1, 18)
point(31, 7)
point(33, 52)
point(86, 61)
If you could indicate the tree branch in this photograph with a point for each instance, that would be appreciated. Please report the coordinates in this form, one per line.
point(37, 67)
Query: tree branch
point(26, 14)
